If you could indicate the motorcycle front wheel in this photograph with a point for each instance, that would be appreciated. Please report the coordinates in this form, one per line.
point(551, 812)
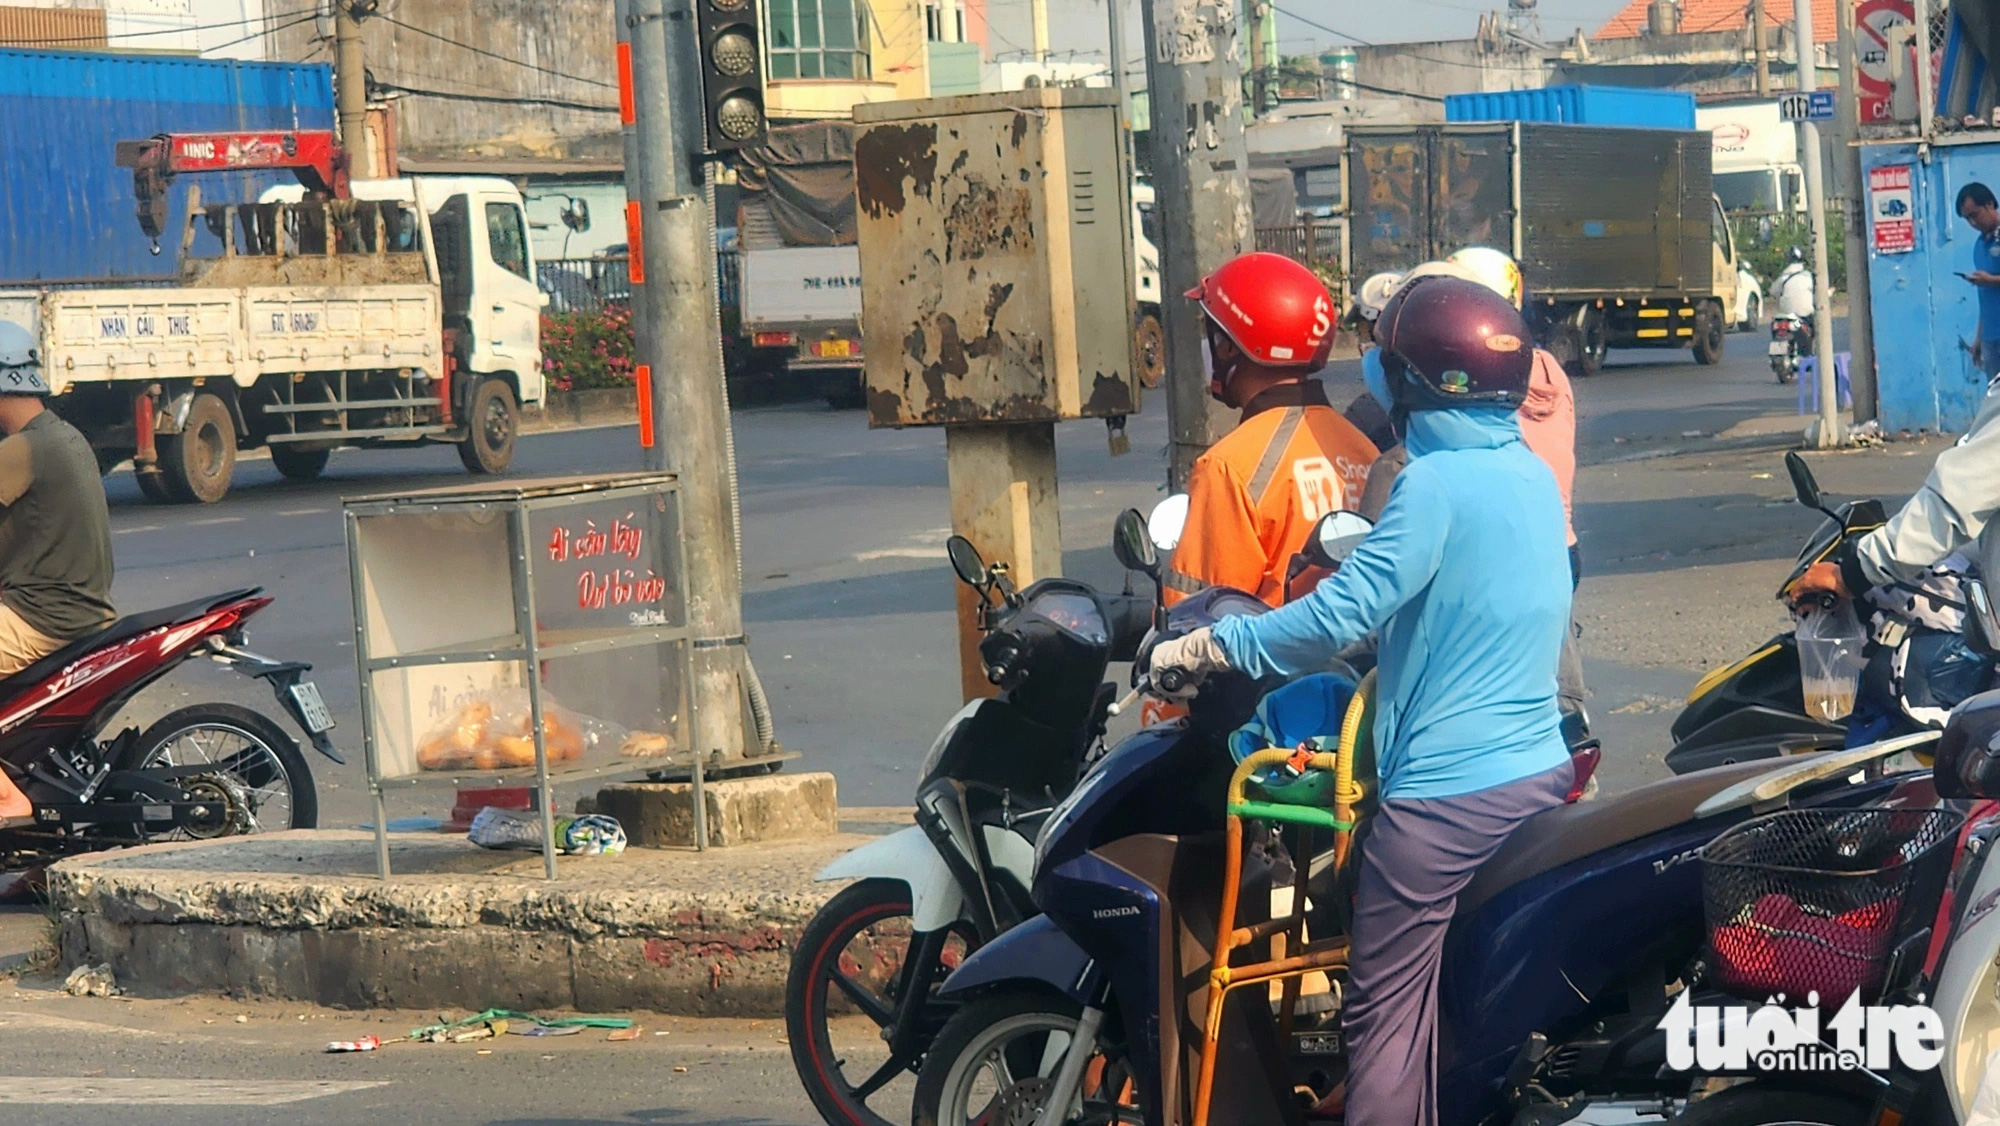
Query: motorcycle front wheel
point(852, 959)
point(1760, 1105)
point(260, 779)
point(997, 1056)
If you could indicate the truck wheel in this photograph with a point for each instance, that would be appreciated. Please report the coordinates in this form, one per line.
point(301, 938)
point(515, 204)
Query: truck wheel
point(197, 462)
point(492, 421)
point(1149, 350)
point(1708, 330)
point(297, 464)
point(1593, 343)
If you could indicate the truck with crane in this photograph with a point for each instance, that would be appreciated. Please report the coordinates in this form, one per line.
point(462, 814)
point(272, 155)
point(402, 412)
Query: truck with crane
point(371, 313)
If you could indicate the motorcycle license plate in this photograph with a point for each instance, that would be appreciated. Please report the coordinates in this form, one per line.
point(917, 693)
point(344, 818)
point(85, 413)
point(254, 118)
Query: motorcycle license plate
point(312, 709)
point(1779, 348)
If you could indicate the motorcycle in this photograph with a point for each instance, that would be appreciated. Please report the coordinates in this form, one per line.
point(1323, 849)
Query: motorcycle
point(1791, 339)
point(1755, 708)
point(927, 895)
point(1565, 951)
point(207, 770)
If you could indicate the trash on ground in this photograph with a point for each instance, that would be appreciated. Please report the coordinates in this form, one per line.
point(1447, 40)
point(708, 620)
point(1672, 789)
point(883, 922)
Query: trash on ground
point(545, 1029)
point(592, 834)
point(365, 1044)
point(500, 1022)
point(624, 1033)
point(91, 981)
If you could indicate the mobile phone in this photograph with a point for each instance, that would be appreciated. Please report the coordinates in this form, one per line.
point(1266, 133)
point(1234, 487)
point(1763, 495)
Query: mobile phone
point(1963, 274)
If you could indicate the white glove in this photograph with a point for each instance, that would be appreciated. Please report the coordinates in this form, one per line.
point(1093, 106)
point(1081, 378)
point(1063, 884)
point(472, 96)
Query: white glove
point(1194, 656)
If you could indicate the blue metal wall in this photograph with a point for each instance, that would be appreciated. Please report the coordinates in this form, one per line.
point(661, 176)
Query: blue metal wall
point(1578, 105)
point(1924, 313)
point(66, 211)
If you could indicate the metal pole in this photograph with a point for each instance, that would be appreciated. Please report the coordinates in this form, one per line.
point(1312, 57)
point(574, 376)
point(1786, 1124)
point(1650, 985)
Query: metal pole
point(1115, 9)
point(1038, 19)
point(1849, 186)
point(1757, 40)
point(350, 85)
point(1260, 61)
point(680, 341)
point(1810, 157)
point(1194, 82)
point(1926, 93)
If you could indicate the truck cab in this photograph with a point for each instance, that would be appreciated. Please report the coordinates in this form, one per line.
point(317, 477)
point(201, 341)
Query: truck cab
point(484, 267)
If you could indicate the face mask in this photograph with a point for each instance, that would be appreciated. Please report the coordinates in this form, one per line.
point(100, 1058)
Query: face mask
point(1376, 378)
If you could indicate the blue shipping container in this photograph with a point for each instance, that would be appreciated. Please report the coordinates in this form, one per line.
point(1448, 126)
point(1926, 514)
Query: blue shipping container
point(1578, 105)
point(67, 211)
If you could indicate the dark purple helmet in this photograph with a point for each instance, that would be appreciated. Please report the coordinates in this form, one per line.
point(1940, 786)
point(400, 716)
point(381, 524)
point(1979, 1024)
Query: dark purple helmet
point(1448, 342)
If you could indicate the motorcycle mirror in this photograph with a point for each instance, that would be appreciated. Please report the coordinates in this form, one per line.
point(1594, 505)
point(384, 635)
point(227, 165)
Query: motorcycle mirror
point(1802, 480)
point(1335, 537)
point(1133, 546)
point(965, 560)
point(1982, 626)
point(1169, 517)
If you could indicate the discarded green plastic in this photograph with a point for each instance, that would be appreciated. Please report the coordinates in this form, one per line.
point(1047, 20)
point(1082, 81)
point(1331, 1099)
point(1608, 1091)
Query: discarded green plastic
point(446, 1027)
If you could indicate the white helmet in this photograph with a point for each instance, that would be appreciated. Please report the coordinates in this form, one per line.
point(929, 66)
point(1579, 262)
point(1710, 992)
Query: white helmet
point(1375, 293)
point(20, 367)
point(1492, 269)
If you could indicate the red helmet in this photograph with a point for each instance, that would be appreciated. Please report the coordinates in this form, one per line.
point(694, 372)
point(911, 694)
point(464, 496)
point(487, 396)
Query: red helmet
point(1273, 309)
point(1448, 342)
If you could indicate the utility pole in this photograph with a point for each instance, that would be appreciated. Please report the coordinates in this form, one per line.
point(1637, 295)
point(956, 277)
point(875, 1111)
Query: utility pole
point(1194, 83)
point(679, 346)
point(1038, 18)
point(1115, 9)
point(350, 86)
point(1260, 59)
point(1810, 157)
point(1852, 190)
point(1757, 41)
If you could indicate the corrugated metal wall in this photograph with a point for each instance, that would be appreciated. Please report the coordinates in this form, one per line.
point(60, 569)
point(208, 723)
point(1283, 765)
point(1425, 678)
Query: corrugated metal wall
point(66, 211)
point(73, 28)
point(1926, 316)
point(1622, 212)
point(1577, 105)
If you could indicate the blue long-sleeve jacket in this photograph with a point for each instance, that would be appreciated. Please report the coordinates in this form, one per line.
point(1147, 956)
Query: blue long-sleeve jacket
point(1466, 575)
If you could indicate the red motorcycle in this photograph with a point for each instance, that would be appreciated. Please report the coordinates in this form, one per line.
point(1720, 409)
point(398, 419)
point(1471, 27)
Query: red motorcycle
point(208, 770)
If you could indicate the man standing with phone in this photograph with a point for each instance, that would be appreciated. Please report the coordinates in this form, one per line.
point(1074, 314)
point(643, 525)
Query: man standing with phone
point(1977, 206)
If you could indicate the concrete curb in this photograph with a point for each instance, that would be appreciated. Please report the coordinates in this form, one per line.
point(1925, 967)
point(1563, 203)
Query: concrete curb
point(300, 916)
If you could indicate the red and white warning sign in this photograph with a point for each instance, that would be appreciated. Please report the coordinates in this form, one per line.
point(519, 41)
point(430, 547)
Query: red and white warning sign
point(1891, 211)
point(1873, 21)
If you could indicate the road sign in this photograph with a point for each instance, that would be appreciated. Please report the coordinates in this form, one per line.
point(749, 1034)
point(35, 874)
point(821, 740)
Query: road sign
point(1814, 106)
point(1874, 22)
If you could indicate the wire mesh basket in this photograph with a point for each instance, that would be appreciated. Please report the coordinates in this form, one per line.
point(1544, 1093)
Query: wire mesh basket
point(1817, 900)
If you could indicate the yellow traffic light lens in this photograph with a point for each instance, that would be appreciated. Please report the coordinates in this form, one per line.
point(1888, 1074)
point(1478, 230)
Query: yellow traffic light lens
point(733, 54)
point(738, 118)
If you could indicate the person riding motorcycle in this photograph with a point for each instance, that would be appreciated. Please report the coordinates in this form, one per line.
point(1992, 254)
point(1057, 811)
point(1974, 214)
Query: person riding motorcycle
point(1793, 294)
point(1464, 579)
point(1548, 426)
point(55, 530)
point(1255, 495)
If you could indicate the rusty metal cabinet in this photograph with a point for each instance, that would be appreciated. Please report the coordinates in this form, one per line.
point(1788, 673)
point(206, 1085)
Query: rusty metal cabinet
point(996, 263)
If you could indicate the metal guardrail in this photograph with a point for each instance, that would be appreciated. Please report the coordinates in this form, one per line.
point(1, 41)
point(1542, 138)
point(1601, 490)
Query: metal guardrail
point(583, 285)
point(1311, 243)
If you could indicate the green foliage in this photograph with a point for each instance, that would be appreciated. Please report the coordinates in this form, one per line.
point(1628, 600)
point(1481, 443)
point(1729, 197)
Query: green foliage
point(1763, 244)
point(588, 349)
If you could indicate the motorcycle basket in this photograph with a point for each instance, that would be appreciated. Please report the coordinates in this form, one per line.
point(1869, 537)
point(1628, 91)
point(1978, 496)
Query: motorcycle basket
point(1817, 900)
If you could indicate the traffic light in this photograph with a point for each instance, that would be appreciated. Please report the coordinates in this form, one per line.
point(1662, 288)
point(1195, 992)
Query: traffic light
point(732, 73)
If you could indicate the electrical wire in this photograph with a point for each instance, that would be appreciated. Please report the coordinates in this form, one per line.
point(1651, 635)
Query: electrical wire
point(307, 18)
point(483, 52)
point(489, 99)
point(91, 40)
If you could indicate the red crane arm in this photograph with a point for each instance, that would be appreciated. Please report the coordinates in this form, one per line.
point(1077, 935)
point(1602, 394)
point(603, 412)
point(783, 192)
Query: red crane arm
point(312, 154)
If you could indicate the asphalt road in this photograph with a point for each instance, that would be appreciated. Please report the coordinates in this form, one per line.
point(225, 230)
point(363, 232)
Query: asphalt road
point(848, 596)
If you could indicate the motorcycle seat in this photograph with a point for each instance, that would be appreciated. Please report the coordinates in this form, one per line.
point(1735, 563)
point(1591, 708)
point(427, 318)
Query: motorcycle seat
point(129, 626)
point(1556, 837)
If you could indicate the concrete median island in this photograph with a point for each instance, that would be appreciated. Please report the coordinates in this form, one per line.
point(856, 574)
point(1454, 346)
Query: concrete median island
point(301, 916)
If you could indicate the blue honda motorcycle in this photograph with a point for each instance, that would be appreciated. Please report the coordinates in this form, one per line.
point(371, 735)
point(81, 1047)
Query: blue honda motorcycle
point(1565, 951)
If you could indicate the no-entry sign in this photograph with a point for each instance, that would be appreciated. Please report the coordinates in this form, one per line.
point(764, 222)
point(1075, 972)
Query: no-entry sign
point(1891, 210)
point(1873, 20)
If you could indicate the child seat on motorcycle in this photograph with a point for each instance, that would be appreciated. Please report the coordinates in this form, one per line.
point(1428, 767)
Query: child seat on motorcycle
point(1316, 713)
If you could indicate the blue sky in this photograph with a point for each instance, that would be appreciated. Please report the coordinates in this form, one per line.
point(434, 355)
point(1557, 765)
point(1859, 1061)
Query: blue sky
point(1079, 25)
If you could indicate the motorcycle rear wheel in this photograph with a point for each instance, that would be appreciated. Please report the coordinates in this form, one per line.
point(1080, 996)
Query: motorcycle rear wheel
point(1760, 1105)
point(249, 749)
point(827, 962)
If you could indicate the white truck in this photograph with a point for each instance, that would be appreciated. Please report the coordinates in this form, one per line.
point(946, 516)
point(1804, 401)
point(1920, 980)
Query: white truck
point(404, 313)
point(806, 300)
point(1755, 158)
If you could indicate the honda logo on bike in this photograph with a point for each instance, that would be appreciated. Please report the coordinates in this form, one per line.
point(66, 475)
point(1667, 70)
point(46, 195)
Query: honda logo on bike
point(1114, 912)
